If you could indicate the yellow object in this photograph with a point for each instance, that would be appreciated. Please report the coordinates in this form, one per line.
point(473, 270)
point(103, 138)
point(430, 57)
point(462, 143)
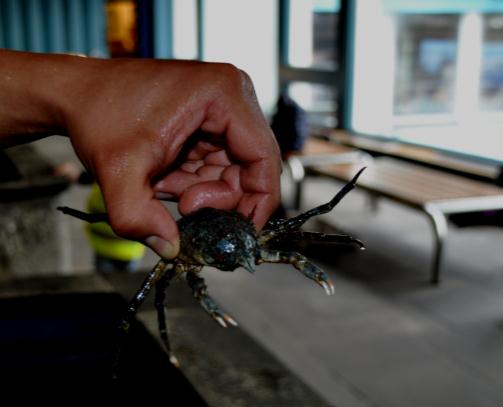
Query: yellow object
point(103, 240)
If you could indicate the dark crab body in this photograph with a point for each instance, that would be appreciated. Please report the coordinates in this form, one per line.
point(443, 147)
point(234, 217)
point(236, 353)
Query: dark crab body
point(227, 240)
point(217, 238)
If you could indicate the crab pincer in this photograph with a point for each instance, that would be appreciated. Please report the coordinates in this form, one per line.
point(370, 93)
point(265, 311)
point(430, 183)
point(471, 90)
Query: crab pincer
point(216, 313)
point(302, 264)
point(200, 292)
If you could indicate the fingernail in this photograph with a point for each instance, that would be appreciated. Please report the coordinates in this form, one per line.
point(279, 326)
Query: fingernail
point(165, 249)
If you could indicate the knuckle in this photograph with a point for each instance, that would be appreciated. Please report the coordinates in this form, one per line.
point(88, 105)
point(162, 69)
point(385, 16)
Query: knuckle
point(123, 224)
point(245, 79)
point(246, 84)
point(228, 70)
point(235, 77)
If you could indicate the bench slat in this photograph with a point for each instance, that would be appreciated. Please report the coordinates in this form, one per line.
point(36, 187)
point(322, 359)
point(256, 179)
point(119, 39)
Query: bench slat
point(409, 183)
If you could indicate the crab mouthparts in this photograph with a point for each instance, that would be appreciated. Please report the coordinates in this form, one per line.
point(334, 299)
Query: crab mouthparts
point(248, 264)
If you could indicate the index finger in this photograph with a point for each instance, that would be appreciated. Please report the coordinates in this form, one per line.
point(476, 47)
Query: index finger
point(260, 182)
point(249, 142)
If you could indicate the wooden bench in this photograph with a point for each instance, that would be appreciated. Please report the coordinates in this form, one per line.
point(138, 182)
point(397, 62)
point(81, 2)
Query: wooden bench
point(435, 193)
point(416, 154)
point(318, 152)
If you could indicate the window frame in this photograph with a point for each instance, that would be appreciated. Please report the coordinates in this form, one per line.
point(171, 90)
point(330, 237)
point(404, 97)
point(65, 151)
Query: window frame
point(155, 28)
point(336, 78)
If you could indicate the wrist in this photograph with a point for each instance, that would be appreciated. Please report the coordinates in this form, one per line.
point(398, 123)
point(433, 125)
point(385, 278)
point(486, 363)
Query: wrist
point(35, 90)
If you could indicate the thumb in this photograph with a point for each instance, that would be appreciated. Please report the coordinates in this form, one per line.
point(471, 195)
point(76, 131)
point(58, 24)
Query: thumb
point(134, 213)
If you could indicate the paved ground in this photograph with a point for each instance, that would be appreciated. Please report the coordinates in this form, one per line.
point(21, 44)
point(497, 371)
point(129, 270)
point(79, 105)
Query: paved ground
point(387, 338)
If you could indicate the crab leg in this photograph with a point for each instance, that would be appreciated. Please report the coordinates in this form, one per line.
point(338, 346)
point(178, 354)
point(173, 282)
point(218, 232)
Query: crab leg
point(135, 304)
point(87, 217)
point(160, 296)
point(298, 221)
point(323, 237)
point(301, 263)
point(200, 292)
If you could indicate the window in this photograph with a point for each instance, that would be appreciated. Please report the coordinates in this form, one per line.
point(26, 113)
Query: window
point(312, 34)
point(430, 73)
point(243, 33)
point(185, 29)
point(318, 100)
point(239, 32)
point(491, 73)
point(425, 63)
point(122, 28)
point(310, 57)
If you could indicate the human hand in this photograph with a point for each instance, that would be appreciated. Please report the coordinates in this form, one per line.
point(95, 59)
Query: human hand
point(154, 129)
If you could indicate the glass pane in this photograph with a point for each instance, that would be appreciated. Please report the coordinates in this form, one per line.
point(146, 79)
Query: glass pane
point(242, 33)
point(312, 36)
point(491, 76)
point(185, 29)
point(425, 67)
point(430, 73)
point(318, 101)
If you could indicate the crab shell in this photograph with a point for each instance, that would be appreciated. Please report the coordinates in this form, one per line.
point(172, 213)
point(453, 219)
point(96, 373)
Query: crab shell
point(222, 239)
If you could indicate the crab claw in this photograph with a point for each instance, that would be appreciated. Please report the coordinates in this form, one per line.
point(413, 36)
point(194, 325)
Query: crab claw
point(174, 361)
point(223, 319)
point(220, 320)
point(230, 320)
point(211, 307)
point(320, 277)
point(328, 286)
point(301, 263)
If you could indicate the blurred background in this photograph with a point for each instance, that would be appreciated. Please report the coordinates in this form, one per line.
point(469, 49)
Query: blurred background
point(420, 81)
point(435, 64)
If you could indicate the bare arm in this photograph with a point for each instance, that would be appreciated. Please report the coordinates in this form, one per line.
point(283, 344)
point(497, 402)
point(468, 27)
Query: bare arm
point(30, 95)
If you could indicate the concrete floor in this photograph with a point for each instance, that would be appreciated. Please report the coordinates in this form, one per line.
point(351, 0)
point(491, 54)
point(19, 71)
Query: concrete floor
point(387, 338)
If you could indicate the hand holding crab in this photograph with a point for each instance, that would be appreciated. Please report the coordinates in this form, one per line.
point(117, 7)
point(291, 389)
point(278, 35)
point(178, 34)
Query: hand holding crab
point(203, 142)
point(128, 121)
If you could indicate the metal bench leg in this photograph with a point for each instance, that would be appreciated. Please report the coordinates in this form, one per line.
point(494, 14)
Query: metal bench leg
point(298, 174)
point(440, 230)
point(373, 201)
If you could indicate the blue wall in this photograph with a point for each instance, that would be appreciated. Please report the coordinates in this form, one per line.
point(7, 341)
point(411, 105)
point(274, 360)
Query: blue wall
point(77, 26)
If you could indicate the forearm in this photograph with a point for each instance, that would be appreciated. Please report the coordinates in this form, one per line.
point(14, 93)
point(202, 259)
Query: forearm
point(34, 90)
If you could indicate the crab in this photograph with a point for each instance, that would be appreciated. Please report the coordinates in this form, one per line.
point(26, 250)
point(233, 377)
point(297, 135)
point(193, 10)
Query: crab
point(227, 240)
